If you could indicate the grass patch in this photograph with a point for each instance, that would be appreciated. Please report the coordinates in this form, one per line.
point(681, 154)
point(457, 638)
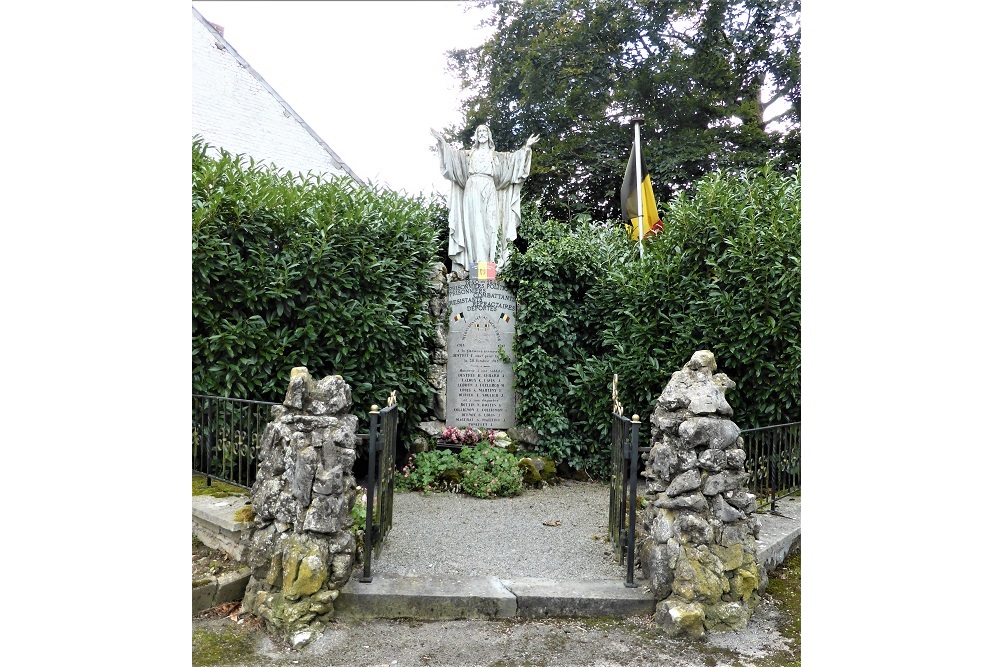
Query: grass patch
point(218, 489)
point(225, 645)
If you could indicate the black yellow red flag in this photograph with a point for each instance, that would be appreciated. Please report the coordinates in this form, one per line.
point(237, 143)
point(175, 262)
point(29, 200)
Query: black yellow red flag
point(630, 206)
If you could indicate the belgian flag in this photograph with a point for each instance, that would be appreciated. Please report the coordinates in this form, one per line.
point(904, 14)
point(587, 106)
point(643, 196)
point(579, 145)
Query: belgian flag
point(630, 207)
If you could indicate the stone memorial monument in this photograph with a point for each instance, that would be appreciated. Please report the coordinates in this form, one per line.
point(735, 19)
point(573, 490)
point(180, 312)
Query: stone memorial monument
point(480, 355)
point(484, 210)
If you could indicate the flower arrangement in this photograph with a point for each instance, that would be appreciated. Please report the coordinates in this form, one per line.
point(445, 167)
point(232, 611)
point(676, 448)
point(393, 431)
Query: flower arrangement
point(453, 436)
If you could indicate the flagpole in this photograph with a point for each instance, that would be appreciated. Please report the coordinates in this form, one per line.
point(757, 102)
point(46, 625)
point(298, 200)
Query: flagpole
point(636, 122)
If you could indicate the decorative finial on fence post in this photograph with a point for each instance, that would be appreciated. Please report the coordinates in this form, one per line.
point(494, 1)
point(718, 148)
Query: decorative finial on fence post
point(374, 409)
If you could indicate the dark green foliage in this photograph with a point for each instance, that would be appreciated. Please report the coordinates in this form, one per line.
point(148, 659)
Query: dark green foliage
point(559, 336)
point(703, 75)
point(294, 271)
point(724, 275)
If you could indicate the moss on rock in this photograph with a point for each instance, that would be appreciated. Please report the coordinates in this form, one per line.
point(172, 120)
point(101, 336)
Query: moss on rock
point(244, 514)
point(680, 617)
point(529, 475)
point(200, 487)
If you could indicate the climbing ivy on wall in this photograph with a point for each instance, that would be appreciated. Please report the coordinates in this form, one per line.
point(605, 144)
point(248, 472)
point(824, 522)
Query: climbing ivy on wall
point(290, 270)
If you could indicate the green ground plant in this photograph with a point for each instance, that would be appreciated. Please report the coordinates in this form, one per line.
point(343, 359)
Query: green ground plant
point(483, 470)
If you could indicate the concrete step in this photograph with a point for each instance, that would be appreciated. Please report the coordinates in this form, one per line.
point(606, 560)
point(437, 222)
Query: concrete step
point(560, 597)
point(214, 591)
point(433, 598)
point(213, 523)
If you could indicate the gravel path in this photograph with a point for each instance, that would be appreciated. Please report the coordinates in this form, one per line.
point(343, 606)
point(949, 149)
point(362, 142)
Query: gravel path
point(455, 534)
point(606, 642)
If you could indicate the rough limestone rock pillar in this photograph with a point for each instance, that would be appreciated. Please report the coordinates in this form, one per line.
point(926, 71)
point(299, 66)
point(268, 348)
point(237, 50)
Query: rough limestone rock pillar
point(438, 307)
point(698, 547)
point(300, 548)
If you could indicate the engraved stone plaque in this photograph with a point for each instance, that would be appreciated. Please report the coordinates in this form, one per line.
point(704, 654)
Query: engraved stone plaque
point(480, 355)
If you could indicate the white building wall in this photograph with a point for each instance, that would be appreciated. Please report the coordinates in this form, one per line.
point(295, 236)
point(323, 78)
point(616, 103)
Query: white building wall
point(234, 108)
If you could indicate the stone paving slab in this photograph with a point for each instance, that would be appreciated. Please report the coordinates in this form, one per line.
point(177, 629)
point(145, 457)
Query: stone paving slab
point(448, 598)
point(430, 598)
point(219, 511)
point(213, 523)
point(537, 598)
point(780, 532)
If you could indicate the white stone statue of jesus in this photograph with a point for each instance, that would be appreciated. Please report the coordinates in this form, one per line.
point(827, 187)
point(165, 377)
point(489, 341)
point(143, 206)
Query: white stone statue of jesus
point(484, 208)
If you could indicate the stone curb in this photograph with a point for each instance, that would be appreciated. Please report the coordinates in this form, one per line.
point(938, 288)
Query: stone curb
point(212, 523)
point(775, 554)
point(431, 598)
point(539, 598)
point(489, 597)
point(226, 588)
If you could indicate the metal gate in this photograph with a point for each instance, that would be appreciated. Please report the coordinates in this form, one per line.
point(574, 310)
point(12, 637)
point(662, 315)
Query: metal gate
point(381, 475)
point(624, 478)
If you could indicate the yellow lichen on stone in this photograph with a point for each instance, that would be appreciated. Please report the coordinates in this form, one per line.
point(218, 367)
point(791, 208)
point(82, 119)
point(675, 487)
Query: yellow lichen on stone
point(312, 575)
point(322, 602)
point(726, 616)
point(731, 557)
point(693, 581)
point(297, 371)
point(274, 571)
point(290, 560)
point(687, 618)
point(744, 583)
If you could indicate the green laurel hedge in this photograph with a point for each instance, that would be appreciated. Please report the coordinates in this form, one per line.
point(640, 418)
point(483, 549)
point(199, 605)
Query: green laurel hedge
point(289, 270)
point(724, 275)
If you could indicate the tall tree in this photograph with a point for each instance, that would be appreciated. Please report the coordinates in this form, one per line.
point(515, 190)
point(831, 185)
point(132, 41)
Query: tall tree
point(709, 76)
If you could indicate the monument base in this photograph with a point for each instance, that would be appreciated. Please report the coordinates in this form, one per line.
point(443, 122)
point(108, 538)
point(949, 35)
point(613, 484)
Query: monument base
point(481, 323)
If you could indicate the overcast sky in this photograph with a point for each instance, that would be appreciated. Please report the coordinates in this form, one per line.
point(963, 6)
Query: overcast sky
point(368, 77)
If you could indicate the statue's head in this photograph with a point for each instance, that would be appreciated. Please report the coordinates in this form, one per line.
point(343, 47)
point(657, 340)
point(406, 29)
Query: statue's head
point(483, 135)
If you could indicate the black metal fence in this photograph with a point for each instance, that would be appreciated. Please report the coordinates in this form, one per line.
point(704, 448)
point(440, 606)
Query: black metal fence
point(381, 479)
point(624, 479)
point(774, 461)
point(225, 434)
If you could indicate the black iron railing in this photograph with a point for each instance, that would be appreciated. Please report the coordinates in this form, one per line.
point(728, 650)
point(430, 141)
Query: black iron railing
point(774, 461)
point(381, 478)
point(225, 435)
point(624, 479)
point(625, 451)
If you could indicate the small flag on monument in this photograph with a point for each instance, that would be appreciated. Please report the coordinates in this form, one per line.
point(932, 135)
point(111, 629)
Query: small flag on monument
point(504, 316)
point(486, 271)
point(458, 316)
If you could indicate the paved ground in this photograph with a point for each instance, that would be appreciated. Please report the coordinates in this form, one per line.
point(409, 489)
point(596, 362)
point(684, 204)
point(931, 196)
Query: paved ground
point(512, 541)
point(556, 533)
